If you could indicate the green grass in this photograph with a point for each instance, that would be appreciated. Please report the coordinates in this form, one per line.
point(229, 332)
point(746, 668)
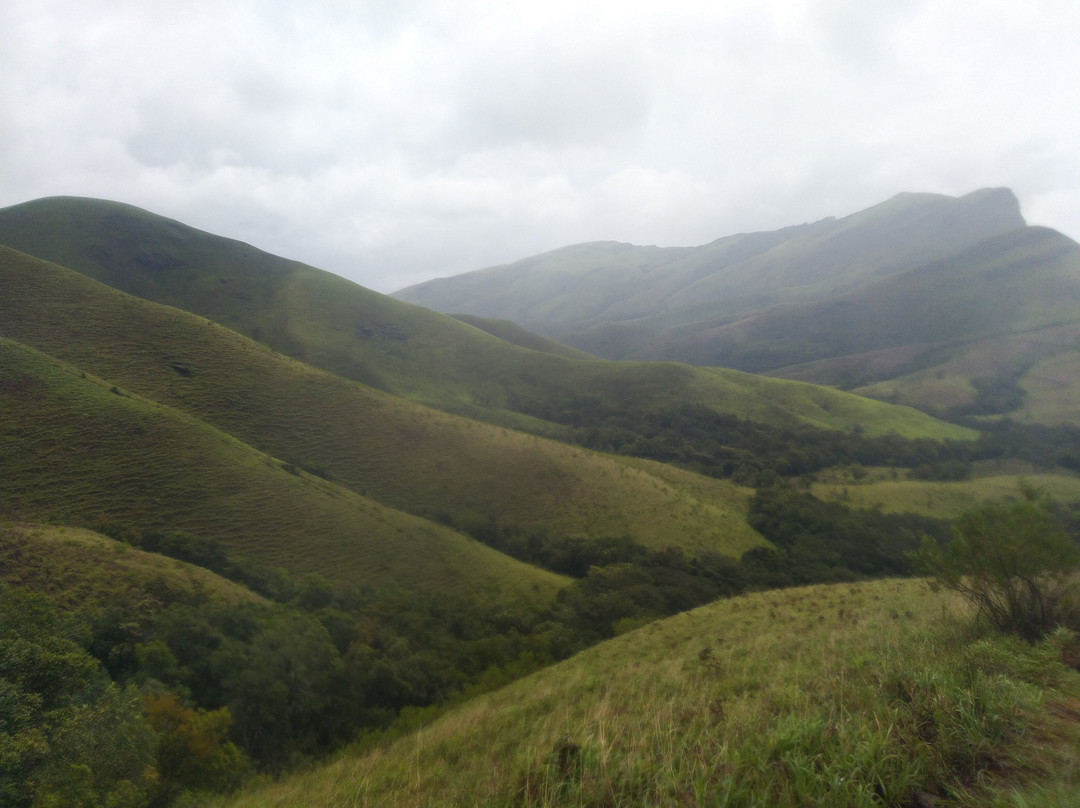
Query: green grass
point(853, 695)
point(81, 569)
point(77, 450)
point(333, 324)
point(1043, 363)
point(407, 456)
point(942, 500)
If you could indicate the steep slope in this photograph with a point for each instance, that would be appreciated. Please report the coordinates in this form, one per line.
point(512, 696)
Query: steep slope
point(845, 695)
point(79, 451)
point(406, 456)
point(616, 299)
point(331, 323)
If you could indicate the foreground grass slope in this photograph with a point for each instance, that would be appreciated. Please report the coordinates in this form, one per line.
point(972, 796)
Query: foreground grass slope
point(77, 450)
point(853, 695)
point(353, 332)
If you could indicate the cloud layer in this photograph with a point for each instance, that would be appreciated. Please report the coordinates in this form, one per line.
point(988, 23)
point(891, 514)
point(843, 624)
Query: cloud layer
point(393, 142)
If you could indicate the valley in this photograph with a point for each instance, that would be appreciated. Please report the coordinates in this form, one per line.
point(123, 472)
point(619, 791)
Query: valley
point(650, 540)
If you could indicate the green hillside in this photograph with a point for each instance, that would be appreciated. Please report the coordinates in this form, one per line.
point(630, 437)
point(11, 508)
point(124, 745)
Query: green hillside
point(516, 335)
point(847, 695)
point(880, 489)
point(81, 569)
point(406, 456)
point(331, 323)
point(992, 330)
point(77, 450)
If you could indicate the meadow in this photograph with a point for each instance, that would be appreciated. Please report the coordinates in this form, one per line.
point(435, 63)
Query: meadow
point(891, 492)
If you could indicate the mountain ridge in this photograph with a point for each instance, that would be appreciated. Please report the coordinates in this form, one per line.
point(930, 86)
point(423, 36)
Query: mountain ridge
point(925, 276)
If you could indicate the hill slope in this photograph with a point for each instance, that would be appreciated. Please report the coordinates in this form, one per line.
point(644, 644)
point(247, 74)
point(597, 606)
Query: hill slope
point(82, 569)
point(78, 450)
point(331, 323)
point(569, 291)
point(404, 455)
point(991, 330)
point(854, 695)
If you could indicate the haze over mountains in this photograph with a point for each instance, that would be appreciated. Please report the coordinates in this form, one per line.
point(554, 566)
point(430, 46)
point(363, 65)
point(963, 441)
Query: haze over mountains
point(953, 305)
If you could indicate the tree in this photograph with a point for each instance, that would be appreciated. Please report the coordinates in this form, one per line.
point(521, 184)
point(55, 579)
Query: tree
point(1014, 562)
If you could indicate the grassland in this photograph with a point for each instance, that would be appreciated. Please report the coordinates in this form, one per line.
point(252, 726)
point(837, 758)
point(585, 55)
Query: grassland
point(407, 456)
point(78, 450)
point(942, 500)
point(853, 695)
point(1042, 363)
point(81, 569)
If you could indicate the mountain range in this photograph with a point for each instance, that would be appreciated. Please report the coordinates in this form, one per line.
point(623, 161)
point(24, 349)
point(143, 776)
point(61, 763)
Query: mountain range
point(952, 305)
point(239, 491)
point(360, 396)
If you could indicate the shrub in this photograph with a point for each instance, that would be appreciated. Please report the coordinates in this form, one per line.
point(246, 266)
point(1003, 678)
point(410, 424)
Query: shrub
point(1013, 562)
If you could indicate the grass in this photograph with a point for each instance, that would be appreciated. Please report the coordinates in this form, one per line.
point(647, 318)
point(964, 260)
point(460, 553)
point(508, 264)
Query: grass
point(404, 455)
point(81, 569)
point(942, 500)
point(854, 695)
point(77, 450)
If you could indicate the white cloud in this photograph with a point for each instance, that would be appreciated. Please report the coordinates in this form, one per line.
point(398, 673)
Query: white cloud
point(393, 141)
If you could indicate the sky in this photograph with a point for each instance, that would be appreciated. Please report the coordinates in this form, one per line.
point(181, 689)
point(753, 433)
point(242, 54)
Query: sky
point(392, 142)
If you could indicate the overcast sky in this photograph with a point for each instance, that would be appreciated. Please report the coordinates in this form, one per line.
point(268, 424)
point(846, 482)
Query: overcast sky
point(392, 141)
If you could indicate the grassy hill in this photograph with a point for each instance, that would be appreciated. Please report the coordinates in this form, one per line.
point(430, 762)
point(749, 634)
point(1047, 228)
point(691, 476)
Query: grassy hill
point(881, 489)
point(404, 455)
point(993, 330)
point(77, 450)
point(82, 569)
point(853, 695)
point(330, 323)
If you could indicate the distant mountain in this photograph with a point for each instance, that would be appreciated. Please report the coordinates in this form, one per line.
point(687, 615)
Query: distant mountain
point(863, 302)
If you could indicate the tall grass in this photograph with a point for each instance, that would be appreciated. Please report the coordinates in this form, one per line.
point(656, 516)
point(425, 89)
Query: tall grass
point(853, 695)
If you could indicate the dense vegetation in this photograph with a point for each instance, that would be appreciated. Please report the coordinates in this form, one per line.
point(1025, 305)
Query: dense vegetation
point(753, 453)
point(279, 681)
point(873, 694)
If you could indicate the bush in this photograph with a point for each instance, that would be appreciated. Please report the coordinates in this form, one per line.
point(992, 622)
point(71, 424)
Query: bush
point(1014, 563)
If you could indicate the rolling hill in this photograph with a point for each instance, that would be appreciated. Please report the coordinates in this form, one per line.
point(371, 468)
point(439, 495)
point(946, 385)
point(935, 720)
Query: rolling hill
point(855, 695)
point(407, 456)
point(82, 569)
point(885, 301)
point(159, 381)
point(333, 324)
point(79, 451)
